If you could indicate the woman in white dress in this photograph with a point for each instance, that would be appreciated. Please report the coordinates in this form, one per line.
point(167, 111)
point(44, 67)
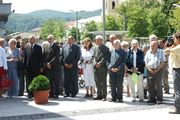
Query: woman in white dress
point(87, 53)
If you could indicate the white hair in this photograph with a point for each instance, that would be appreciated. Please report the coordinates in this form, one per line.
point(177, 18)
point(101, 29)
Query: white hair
point(152, 37)
point(117, 41)
point(124, 43)
point(45, 46)
point(134, 41)
point(99, 37)
point(12, 40)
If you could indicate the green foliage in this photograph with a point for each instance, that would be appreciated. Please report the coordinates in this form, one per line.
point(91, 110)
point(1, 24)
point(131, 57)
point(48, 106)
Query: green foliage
point(144, 17)
point(158, 22)
point(20, 22)
point(89, 26)
point(27, 22)
point(167, 7)
point(175, 19)
point(55, 27)
point(39, 83)
point(137, 24)
point(111, 23)
point(73, 32)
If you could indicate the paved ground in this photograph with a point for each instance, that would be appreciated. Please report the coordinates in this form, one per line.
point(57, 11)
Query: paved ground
point(22, 108)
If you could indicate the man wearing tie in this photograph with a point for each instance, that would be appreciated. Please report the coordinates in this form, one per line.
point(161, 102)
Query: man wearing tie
point(102, 55)
point(33, 61)
point(71, 56)
point(53, 67)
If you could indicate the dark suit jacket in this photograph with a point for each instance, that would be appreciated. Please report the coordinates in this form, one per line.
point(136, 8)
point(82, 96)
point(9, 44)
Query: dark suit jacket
point(102, 55)
point(121, 61)
point(73, 56)
point(53, 56)
point(140, 64)
point(33, 60)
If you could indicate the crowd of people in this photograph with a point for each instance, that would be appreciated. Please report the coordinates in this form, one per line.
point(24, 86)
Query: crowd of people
point(144, 67)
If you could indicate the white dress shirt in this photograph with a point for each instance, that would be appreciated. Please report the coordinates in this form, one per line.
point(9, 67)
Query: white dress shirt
point(134, 58)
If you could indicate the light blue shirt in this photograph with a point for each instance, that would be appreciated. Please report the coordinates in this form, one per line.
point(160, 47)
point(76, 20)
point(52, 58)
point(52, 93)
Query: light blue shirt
point(153, 60)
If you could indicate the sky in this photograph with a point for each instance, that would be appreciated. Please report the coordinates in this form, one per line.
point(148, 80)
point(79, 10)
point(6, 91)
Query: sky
point(26, 6)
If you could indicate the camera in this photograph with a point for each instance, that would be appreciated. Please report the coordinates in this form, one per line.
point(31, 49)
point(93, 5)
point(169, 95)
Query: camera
point(169, 41)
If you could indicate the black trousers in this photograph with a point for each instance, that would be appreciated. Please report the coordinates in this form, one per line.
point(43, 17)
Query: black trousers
point(116, 84)
point(71, 81)
point(31, 73)
point(101, 81)
point(54, 76)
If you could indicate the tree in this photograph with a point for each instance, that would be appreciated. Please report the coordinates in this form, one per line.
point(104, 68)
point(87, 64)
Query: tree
point(137, 24)
point(73, 32)
point(158, 22)
point(55, 27)
point(168, 6)
point(111, 23)
point(89, 26)
point(175, 19)
point(144, 17)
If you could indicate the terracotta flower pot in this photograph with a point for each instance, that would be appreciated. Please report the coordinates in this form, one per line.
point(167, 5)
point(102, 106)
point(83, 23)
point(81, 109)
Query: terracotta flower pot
point(41, 97)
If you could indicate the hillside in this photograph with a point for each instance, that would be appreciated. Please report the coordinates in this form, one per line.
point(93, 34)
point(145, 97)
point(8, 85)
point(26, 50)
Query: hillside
point(26, 22)
point(63, 15)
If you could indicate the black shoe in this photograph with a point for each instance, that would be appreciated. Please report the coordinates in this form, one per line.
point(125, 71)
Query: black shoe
point(66, 96)
point(86, 96)
point(98, 98)
point(30, 96)
point(113, 100)
point(120, 101)
point(51, 96)
point(56, 97)
point(158, 102)
point(21, 94)
point(151, 101)
point(91, 96)
point(73, 95)
point(167, 92)
point(174, 111)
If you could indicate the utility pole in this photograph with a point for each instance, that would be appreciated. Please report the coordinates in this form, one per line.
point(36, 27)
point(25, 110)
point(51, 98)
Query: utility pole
point(104, 19)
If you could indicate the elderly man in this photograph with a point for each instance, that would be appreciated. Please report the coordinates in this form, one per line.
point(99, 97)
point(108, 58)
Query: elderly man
point(136, 64)
point(116, 71)
point(175, 58)
point(33, 61)
point(53, 67)
point(71, 56)
point(101, 58)
point(154, 60)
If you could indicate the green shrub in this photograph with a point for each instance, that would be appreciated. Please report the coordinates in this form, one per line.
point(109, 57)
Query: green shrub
point(40, 83)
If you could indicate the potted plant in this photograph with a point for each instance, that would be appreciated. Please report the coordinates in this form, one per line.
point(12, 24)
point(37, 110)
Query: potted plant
point(40, 86)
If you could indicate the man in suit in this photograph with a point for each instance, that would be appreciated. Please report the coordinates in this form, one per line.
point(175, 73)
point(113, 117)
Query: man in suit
point(53, 67)
point(71, 56)
point(33, 61)
point(102, 55)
